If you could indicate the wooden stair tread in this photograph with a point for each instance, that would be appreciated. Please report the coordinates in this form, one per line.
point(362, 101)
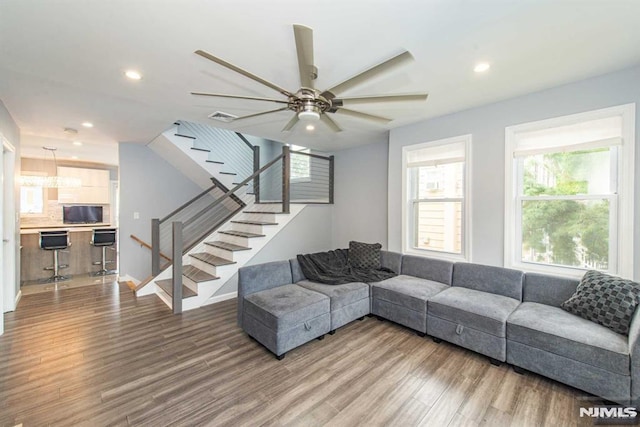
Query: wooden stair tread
point(239, 221)
point(263, 212)
point(211, 259)
point(227, 246)
point(184, 136)
point(197, 275)
point(167, 286)
point(241, 233)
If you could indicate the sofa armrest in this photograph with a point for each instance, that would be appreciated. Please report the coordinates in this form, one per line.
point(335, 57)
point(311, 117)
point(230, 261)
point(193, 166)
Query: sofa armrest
point(634, 353)
point(260, 277)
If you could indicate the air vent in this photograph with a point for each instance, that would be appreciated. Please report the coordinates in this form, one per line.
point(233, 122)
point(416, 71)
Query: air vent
point(222, 117)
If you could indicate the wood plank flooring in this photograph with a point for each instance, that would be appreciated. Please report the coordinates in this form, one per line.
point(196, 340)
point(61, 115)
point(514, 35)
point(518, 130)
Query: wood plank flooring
point(99, 356)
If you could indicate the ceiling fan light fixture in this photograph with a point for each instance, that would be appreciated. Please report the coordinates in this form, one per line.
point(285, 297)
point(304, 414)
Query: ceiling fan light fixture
point(309, 116)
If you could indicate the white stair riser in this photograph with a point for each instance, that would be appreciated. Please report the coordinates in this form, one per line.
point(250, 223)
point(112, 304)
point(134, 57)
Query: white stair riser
point(190, 284)
point(249, 228)
point(236, 240)
point(204, 266)
point(262, 217)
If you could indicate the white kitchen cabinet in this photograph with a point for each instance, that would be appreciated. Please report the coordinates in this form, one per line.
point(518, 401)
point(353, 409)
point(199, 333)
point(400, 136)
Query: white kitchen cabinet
point(94, 187)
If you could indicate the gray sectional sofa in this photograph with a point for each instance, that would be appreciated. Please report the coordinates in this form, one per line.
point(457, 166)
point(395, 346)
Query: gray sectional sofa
point(504, 314)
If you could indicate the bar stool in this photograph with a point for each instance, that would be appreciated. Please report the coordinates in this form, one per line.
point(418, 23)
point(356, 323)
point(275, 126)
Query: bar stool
point(103, 238)
point(55, 241)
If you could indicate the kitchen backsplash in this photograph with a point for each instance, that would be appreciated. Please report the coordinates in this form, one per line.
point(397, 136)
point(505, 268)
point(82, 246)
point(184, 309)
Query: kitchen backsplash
point(54, 216)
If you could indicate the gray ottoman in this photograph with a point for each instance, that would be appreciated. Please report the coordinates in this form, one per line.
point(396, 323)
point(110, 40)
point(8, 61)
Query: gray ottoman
point(286, 317)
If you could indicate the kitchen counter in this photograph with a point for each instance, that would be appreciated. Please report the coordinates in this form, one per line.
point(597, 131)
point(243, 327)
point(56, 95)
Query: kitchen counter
point(30, 229)
point(80, 255)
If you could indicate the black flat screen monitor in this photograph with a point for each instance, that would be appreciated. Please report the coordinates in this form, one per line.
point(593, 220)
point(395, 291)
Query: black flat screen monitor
point(82, 214)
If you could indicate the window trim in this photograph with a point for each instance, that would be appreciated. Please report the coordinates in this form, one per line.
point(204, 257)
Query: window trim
point(623, 212)
point(407, 202)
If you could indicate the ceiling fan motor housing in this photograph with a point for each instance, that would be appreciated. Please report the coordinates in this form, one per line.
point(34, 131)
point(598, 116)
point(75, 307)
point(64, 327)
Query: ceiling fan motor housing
point(309, 104)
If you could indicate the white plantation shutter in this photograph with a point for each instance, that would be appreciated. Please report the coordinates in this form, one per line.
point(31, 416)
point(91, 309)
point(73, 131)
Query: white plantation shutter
point(436, 155)
point(587, 135)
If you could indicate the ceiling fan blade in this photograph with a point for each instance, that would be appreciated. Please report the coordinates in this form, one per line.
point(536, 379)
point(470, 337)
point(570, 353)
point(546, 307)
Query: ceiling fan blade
point(368, 74)
point(255, 98)
point(365, 116)
point(261, 114)
point(291, 123)
point(379, 98)
point(304, 49)
point(330, 123)
point(243, 72)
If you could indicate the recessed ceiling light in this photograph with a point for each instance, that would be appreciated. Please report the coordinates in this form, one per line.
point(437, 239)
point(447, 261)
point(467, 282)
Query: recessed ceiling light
point(310, 127)
point(87, 124)
point(133, 75)
point(77, 143)
point(74, 157)
point(481, 67)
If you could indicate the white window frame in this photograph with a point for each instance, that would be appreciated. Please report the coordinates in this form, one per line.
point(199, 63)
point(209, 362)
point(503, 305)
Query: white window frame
point(407, 209)
point(621, 249)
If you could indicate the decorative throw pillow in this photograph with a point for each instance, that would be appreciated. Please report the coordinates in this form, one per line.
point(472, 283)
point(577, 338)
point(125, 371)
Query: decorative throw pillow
point(604, 299)
point(364, 256)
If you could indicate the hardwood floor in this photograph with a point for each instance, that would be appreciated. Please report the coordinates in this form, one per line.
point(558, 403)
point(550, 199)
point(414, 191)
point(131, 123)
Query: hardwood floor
point(98, 356)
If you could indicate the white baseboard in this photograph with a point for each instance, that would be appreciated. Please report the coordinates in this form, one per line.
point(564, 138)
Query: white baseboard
point(219, 298)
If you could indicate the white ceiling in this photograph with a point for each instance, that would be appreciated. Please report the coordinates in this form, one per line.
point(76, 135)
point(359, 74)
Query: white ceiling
point(62, 62)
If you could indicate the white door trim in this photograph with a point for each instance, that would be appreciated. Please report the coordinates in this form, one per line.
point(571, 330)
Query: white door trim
point(8, 297)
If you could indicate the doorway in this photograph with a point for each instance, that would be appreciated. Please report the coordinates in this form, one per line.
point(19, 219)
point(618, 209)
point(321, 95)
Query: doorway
point(8, 220)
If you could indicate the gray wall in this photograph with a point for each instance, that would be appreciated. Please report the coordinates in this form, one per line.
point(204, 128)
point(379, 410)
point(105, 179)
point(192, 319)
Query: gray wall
point(308, 232)
point(10, 131)
point(487, 125)
point(153, 188)
point(360, 211)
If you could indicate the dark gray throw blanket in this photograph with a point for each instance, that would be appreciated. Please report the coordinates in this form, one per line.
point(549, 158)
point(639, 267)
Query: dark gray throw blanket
point(332, 268)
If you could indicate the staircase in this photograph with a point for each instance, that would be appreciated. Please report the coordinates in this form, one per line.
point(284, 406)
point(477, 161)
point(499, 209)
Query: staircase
point(230, 222)
point(216, 260)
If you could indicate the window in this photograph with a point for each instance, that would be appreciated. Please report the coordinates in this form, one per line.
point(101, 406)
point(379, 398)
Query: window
point(570, 193)
point(300, 164)
point(435, 219)
point(33, 196)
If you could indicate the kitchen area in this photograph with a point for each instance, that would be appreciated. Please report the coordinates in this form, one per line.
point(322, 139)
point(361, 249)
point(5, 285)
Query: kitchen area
point(68, 220)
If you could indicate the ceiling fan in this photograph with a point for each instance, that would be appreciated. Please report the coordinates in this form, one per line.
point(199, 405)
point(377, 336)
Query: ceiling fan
point(310, 104)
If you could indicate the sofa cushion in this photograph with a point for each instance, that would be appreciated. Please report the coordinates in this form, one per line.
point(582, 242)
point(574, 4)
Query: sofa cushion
point(479, 310)
point(340, 295)
point(259, 277)
point(391, 260)
point(486, 278)
point(407, 291)
point(427, 268)
point(296, 271)
point(547, 289)
point(364, 256)
point(604, 299)
point(556, 331)
point(286, 306)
